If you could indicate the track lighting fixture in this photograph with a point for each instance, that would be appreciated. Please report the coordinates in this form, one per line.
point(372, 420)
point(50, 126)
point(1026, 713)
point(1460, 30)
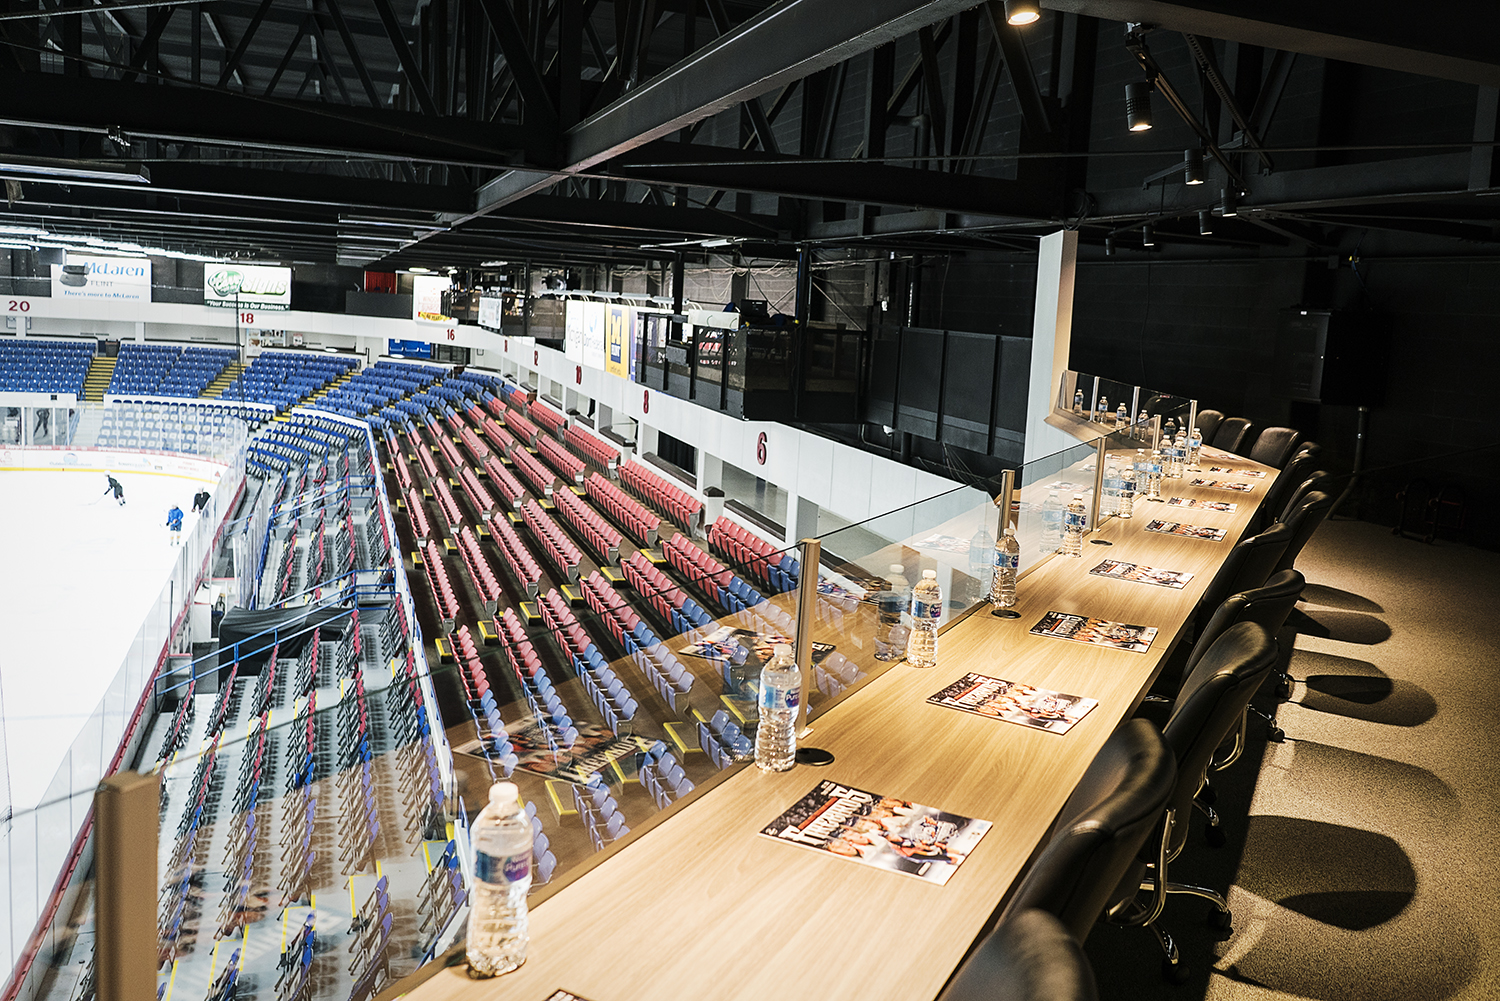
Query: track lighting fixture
point(1192, 166)
point(1022, 12)
point(1205, 222)
point(1109, 246)
point(1138, 105)
point(1148, 236)
point(1228, 203)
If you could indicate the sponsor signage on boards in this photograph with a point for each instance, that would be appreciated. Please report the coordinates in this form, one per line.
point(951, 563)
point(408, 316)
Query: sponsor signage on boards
point(247, 286)
point(117, 278)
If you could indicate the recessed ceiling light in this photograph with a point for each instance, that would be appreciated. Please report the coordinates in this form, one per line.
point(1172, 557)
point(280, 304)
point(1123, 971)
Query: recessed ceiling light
point(419, 271)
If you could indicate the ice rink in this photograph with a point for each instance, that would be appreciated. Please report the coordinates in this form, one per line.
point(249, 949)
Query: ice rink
point(80, 575)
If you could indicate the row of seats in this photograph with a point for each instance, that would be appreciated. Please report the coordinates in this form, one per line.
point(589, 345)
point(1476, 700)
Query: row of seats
point(417, 515)
point(424, 454)
point(517, 556)
point(835, 674)
point(447, 504)
point(662, 776)
point(671, 500)
point(284, 379)
point(553, 540)
point(28, 366)
point(442, 589)
point(541, 695)
point(671, 681)
point(639, 523)
point(652, 584)
point(475, 491)
point(722, 741)
point(599, 534)
point(568, 465)
point(168, 369)
point(601, 454)
point(481, 702)
point(522, 428)
point(717, 580)
point(377, 386)
point(548, 418)
point(777, 568)
point(504, 482)
point(445, 445)
point(498, 437)
point(484, 579)
point(533, 472)
point(172, 903)
point(606, 691)
point(471, 442)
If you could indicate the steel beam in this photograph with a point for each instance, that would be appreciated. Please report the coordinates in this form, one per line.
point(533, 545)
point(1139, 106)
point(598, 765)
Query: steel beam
point(522, 67)
point(1448, 39)
point(785, 42)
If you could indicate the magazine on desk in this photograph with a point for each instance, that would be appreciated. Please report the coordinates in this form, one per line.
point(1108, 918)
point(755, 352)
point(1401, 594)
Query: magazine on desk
point(1186, 531)
point(1258, 474)
point(880, 831)
point(1120, 570)
point(1014, 702)
point(1099, 632)
point(1207, 505)
point(723, 642)
point(1243, 488)
point(945, 544)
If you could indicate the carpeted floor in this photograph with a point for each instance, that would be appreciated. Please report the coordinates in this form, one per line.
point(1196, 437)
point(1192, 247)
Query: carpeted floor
point(1368, 868)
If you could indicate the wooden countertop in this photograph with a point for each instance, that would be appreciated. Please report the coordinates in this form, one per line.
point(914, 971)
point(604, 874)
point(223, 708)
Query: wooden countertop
point(701, 906)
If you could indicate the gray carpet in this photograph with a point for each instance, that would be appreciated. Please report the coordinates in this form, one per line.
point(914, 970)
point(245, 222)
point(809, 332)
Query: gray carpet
point(1368, 868)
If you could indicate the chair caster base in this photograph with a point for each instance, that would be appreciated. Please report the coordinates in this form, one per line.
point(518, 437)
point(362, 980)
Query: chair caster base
point(1208, 795)
point(1276, 735)
point(1176, 973)
point(1221, 921)
point(1215, 837)
point(1283, 689)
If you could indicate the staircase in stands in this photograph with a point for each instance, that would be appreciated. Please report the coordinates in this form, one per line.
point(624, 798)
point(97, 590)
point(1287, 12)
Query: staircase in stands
point(96, 380)
point(216, 388)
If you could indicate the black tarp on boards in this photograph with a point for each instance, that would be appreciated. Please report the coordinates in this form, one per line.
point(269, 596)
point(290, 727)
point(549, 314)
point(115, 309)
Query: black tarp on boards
point(240, 624)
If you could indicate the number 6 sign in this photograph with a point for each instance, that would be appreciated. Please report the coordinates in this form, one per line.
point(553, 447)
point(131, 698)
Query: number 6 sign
point(760, 448)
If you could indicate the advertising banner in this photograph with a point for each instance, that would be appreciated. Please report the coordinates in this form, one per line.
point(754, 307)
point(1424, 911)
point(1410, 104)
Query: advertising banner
point(619, 332)
point(427, 298)
point(119, 278)
point(573, 330)
point(593, 334)
point(262, 287)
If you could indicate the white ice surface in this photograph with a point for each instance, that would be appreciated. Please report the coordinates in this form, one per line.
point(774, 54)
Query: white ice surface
point(78, 575)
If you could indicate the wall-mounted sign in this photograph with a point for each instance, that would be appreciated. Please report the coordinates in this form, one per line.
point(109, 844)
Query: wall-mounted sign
point(427, 298)
point(491, 309)
point(619, 331)
point(90, 277)
point(247, 286)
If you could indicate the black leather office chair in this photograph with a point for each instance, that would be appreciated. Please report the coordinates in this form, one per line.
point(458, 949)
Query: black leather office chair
point(1318, 479)
point(1031, 957)
point(1297, 469)
point(1247, 567)
point(1233, 435)
point(1211, 706)
point(1208, 423)
point(1276, 446)
point(1304, 521)
point(1116, 807)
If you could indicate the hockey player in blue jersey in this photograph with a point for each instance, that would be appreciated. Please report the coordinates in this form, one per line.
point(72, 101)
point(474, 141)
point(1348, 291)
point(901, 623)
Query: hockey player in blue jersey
point(174, 522)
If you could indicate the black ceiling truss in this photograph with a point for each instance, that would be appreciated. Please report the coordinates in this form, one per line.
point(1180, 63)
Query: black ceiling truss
point(443, 132)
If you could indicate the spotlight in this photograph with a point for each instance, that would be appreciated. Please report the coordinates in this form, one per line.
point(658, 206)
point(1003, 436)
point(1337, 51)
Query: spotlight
point(1138, 105)
point(1228, 203)
point(1148, 236)
point(1192, 166)
point(1021, 12)
point(1109, 246)
point(1205, 222)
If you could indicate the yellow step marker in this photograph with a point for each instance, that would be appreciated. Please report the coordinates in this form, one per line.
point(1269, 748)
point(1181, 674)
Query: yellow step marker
point(560, 795)
point(488, 633)
point(515, 519)
point(416, 558)
point(612, 575)
point(450, 547)
point(530, 613)
point(573, 594)
point(481, 531)
point(684, 737)
point(579, 491)
point(742, 710)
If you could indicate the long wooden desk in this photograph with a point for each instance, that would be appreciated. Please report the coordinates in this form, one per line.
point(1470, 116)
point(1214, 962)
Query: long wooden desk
point(701, 906)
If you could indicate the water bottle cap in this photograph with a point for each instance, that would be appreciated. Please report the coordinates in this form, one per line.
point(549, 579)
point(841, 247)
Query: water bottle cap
point(782, 650)
point(929, 574)
point(897, 568)
point(1078, 496)
point(504, 794)
point(1010, 531)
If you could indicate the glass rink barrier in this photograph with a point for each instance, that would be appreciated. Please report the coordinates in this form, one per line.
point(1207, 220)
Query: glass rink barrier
point(476, 586)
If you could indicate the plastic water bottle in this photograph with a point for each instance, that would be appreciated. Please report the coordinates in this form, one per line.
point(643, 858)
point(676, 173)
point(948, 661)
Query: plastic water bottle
point(1075, 520)
point(1179, 454)
point(1153, 476)
point(1127, 489)
point(890, 636)
point(780, 689)
point(1122, 416)
point(502, 875)
point(1099, 415)
point(1078, 402)
point(981, 559)
point(1168, 459)
point(1007, 565)
point(1168, 429)
point(1109, 494)
point(1051, 521)
point(1195, 445)
point(926, 608)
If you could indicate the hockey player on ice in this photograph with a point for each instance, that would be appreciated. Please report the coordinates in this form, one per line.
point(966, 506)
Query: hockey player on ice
point(174, 522)
point(115, 488)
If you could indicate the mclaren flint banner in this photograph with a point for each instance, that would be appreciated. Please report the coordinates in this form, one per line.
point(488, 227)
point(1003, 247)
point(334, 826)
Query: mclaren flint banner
point(90, 277)
point(247, 286)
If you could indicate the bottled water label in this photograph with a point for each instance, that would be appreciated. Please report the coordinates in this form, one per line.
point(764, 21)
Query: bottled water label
point(1075, 520)
point(1007, 561)
point(501, 869)
point(773, 699)
point(926, 609)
